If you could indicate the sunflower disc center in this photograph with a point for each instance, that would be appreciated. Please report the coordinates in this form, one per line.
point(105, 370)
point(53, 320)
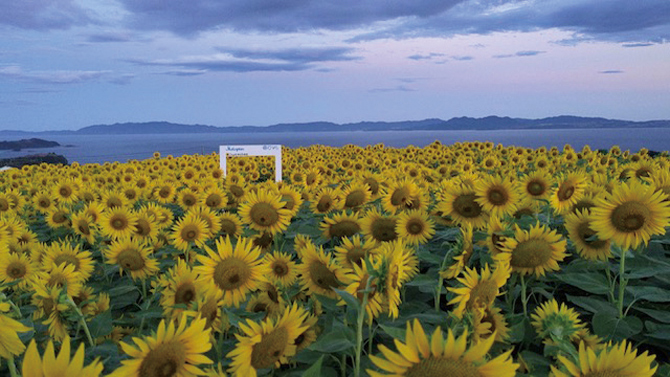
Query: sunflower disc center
point(497, 196)
point(565, 192)
point(344, 228)
point(483, 294)
point(630, 216)
point(231, 273)
point(383, 229)
point(399, 197)
point(322, 276)
point(271, 348)
point(264, 214)
point(439, 367)
point(65, 258)
point(130, 259)
point(585, 232)
point(280, 268)
point(324, 204)
point(355, 198)
point(531, 253)
point(415, 226)
point(166, 360)
point(16, 270)
point(466, 206)
point(185, 293)
point(118, 224)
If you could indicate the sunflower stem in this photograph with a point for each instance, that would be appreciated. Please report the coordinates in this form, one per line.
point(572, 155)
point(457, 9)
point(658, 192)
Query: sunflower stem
point(440, 282)
point(524, 296)
point(359, 329)
point(371, 335)
point(12, 366)
point(82, 321)
point(622, 282)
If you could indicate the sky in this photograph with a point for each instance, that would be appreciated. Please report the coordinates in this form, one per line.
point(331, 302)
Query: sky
point(68, 64)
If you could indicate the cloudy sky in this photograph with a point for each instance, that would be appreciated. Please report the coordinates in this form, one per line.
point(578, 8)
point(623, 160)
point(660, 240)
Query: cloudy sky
point(67, 64)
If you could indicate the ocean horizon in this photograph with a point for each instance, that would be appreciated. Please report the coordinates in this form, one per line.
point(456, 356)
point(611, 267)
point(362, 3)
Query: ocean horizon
point(109, 148)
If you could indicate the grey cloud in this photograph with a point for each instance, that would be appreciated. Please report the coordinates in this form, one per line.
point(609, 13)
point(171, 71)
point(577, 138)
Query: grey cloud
point(108, 37)
point(399, 88)
point(43, 14)
point(519, 54)
point(191, 17)
point(462, 58)
point(425, 57)
point(186, 72)
point(50, 77)
point(225, 65)
point(295, 55)
point(637, 44)
point(611, 72)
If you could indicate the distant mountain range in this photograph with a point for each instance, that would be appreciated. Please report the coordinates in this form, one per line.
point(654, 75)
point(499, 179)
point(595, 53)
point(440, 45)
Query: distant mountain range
point(460, 123)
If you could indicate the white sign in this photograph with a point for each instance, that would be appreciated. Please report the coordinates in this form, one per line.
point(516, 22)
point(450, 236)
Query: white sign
point(251, 150)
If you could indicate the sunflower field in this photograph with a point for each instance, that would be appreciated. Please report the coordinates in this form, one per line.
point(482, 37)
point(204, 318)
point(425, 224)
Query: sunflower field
point(471, 259)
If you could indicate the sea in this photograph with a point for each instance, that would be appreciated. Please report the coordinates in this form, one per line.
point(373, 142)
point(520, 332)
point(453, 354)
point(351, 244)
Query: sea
point(109, 148)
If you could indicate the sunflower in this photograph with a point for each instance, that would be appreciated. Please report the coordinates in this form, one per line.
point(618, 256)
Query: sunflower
point(339, 225)
point(236, 271)
point(51, 308)
point(378, 227)
point(111, 200)
point(84, 226)
point(215, 198)
point(631, 215)
point(415, 227)
point(17, 267)
point(282, 268)
point(190, 230)
point(551, 320)
point(398, 195)
point(10, 344)
point(479, 291)
point(94, 210)
point(231, 225)
point(582, 235)
point(319, 273)
point(292, 199)
point(307, 337)
point(6, 204)
point(325, 201)
point(353, 250)
point(613, 360)
point(497, 195)
point(172, 351)
point(570, 189)
point(535, 251)
point(359, 282)
point(63, 275)
point(355, 196)
point(397, 265)
point(44, 202)
point(464, 247)
point(58, 366)
point(268, 344)
point(58, 217)
point(165, 192)
point(179, 286)
point(437, 357)
point(187, 199)
point(133, 256)
point(118, 222)
point(263, 211)
point(63, 252)
point(210, 218)
point(490, 321)
point(459, 202)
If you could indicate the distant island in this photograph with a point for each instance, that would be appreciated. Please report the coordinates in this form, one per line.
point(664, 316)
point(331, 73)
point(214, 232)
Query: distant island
point(34, 159)
point(33, 143)
point(459, 123)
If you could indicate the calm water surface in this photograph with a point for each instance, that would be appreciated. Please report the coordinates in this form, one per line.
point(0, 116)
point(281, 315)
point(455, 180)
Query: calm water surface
point(102, 148)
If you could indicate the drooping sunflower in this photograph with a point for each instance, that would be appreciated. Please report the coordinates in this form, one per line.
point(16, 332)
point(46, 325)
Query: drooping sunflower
point(550, 319)
point(397, 265)
point(438, 357)
point(10, 344)
point(319, 273)
point(189, 231)
point(17, 267)
point(339, 225)
point(51, 365)
point(415, 227)
point(570, 189)
point(208, 304)
point(378, 227)
point(459, 202)
point(353, 250)
point(282, 268)
point(236, 270)
point(479, 291)
point(264, 211)
point(231, 225)
point(172, 351)
point(620, 359)
point(61, 276)
point(63, 252)
point(359, 283)
point(579, 227)
point(497, 195)
point(268, 344)
point(398, 195)
point(50, 308)
point(490, 322)
point(132, 256)
point(118, 222)
point(464, 248)
point(535, 251)
point(631, 214)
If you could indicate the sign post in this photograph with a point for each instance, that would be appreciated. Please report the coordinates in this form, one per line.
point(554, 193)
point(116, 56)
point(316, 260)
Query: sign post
point(251, 150)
